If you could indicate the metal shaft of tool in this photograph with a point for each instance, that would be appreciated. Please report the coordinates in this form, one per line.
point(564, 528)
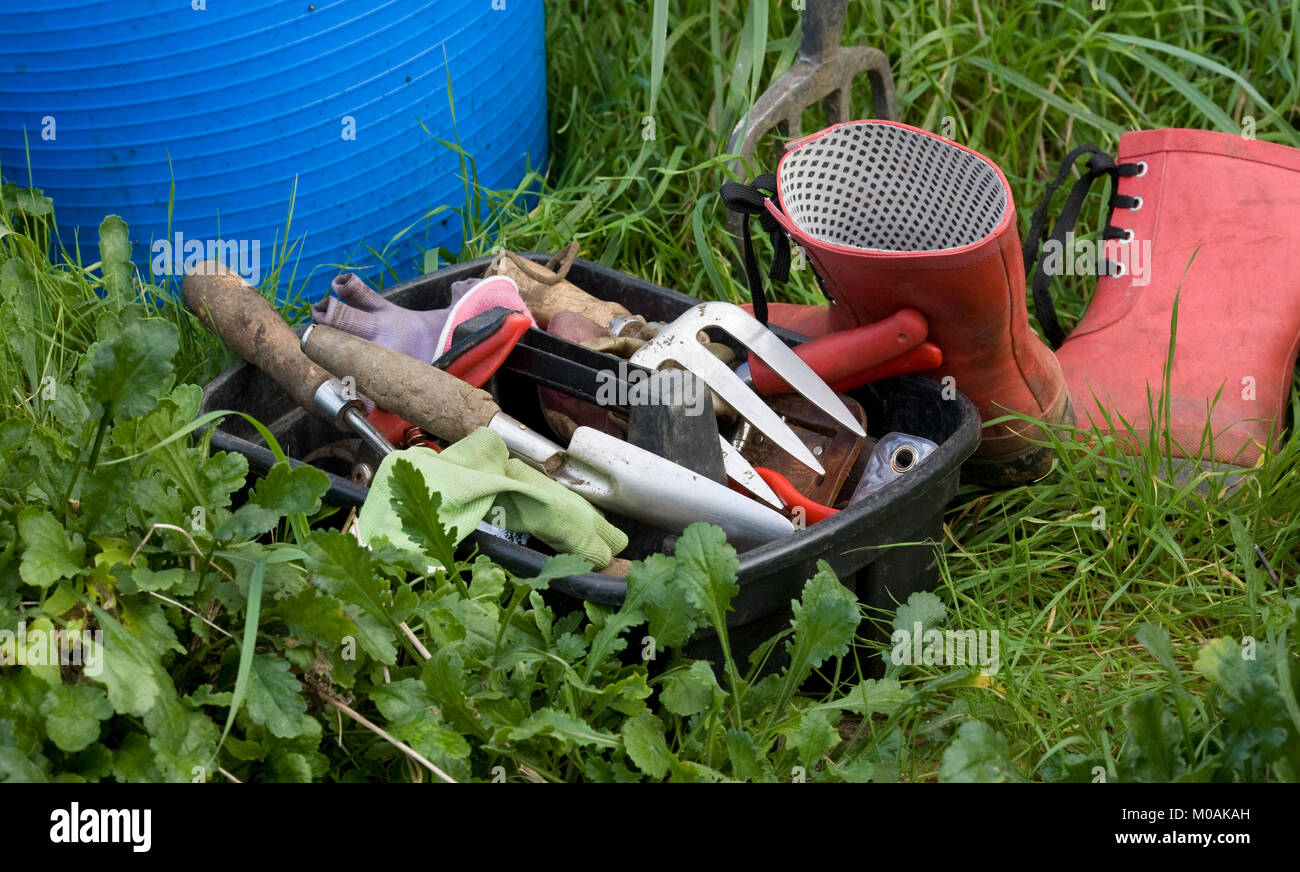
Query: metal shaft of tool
point(743, 473)
point(332, 400)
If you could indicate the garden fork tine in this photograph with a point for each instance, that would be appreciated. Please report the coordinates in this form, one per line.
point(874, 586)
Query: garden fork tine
point(678, 343)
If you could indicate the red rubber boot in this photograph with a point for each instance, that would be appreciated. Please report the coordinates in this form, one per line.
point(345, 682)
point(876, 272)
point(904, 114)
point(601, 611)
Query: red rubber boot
point(896, 217)
point(1209, 218)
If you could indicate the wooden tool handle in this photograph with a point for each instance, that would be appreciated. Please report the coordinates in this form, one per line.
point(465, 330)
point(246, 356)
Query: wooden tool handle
point(422, 394)
point(247, 323)
point(547, 294)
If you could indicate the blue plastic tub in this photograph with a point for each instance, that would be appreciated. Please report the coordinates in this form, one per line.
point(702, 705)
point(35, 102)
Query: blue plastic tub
point(235, 100)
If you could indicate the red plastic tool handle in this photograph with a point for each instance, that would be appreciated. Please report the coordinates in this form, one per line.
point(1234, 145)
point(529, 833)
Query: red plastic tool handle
point(844, 354)
point(812, 512)
point(923, 357)
point(478, 364)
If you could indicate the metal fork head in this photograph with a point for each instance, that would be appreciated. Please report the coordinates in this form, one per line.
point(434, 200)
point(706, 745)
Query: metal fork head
point(747, 330)
point(678, 344)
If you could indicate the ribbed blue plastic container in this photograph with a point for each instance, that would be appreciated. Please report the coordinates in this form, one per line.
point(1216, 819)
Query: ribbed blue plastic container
point(234, 100)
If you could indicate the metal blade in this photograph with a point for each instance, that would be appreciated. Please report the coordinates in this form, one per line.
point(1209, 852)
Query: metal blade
point(628, 480)
point(776, 354)
point(690, 354)
point(740, 471)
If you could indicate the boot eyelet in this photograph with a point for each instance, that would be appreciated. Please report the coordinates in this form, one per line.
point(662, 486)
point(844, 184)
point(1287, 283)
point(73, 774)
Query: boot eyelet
point(1137, 204)
point(1118, 270)
point(1128, 235)
point(1142, 172)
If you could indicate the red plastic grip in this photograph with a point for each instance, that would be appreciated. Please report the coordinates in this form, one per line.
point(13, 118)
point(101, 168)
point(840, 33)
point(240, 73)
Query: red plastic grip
point(843, 355)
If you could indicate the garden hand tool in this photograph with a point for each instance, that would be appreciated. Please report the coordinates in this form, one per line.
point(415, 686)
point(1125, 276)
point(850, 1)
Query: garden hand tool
point(678, 343)
point(608, 472)
point(895, 455)
point(847, 359)
point(592, 379)
point(479, 346)
point(806, 510)
point(1204, 221)
point(476, 474)
point(823, 71)
point(245, 321)
point(423, 335)
point(834, 446)
point(895, 217)
point(250, 327)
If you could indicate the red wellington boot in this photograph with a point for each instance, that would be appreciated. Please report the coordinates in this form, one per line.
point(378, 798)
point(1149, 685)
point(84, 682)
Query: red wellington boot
point(1212, 219)
point(896, 217)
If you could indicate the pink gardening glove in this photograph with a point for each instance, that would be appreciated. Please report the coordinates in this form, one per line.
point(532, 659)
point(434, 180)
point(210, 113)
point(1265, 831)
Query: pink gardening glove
point(424, 335)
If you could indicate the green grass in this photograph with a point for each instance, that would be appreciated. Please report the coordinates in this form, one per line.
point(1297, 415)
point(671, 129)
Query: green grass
point(1021, 82)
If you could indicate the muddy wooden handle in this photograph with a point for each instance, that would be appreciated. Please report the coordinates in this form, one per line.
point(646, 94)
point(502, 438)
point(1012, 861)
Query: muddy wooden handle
point(547, 294)
point(250, 326)
point(422, 394)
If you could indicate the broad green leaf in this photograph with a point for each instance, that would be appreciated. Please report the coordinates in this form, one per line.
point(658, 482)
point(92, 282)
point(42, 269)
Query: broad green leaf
point(284, 491)
point(374, 636)
point(814, 736)
point(288, 767)
point(315, 617)
point(706, 567)
point(872, 696)
point(825, 621)
point(923, 608)
point(418, 508)
point(487, 579)
point(204, 695)
point(72, 715)
point(131, 655)
point(1154, 753)
point(131, 371)
point(184, 742)
point(690, 691)
point(49, 552)
point(978, 754)
point(878, 762)
point(275, 696)
point(69, 409)
point(445, 676)
point(652, 595)
point(447, 748)
point(402, 699)
point(643, 738)
point(556, 566)
point(347, 570)
point(163, 581)
point(115, 255)
point(671, 617)
point(562, 727)
point(747, 762)
point(133, 760)
point(39, 658)
point(1251, 697)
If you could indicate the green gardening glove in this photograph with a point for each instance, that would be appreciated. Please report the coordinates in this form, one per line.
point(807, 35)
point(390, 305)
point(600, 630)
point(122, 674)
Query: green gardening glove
point(476, 474)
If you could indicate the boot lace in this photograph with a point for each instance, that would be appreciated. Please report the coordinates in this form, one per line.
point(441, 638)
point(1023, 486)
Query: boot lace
point(1099, 164)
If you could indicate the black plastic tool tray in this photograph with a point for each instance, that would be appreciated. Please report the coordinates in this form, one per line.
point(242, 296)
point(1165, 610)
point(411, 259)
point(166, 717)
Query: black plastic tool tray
point(860, 543)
